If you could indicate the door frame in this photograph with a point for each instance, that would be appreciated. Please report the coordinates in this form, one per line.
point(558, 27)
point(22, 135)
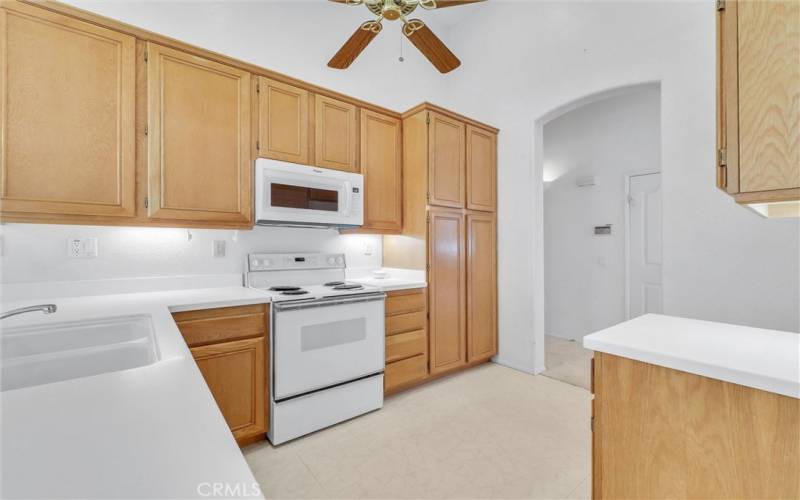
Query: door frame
point(627, 229)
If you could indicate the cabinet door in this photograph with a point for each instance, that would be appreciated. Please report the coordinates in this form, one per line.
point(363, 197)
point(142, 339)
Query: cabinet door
point(769, 95)
point(199, 163)
point(446, 282)
point(68, 115)
point(283, 121)
point(335, 132)
point(481, 169)
point(381, 164)
point(758, 122)
point(236, 376)
point(481, 286)
point(445, 161)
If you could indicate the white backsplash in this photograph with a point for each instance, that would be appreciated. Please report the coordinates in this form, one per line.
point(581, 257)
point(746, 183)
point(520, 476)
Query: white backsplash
point(38, 252)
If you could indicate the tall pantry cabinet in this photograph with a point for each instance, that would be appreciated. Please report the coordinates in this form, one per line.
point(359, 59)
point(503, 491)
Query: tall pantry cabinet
point(449, 229)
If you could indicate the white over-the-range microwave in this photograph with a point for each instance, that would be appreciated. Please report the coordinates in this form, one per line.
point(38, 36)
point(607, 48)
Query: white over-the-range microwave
point(294, 195)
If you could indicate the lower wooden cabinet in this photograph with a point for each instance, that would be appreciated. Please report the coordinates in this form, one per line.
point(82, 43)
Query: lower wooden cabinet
point(664, 433)
point(406, 339)
point(231, 350)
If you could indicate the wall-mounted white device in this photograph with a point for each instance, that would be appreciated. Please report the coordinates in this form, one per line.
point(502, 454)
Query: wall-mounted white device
point(300, 196)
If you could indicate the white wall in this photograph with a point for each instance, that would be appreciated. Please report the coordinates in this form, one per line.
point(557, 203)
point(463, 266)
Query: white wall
point(721, 262)
point(585, 273)
point(38, 252)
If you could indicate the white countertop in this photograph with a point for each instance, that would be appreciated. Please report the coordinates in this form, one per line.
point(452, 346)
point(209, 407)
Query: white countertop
point(389, 284)
point(754, 357)
point(396, 278)
point(148, 432)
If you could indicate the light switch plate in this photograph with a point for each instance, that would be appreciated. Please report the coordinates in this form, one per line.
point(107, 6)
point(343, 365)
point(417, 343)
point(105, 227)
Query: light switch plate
point(218, 248)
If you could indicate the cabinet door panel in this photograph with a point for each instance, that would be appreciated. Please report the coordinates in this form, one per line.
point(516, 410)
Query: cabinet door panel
point(769, 95)
point(446, 161)
point(199, 148)
point(283, 121)
point(336, 134)
point(446, 291)
point(481, 287)
point(236, 376)
point(481, 169)
point(68, 115)
point(381, 164)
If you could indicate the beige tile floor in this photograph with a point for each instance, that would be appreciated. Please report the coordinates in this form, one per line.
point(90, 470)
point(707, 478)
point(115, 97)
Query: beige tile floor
point(489, 432)
point(567, 361)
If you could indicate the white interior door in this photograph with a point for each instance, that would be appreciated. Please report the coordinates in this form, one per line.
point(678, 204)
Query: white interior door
point(644, 244)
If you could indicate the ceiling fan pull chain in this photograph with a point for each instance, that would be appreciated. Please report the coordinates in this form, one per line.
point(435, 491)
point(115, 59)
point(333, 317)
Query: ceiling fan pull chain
point(401, 48)
point(427, 4)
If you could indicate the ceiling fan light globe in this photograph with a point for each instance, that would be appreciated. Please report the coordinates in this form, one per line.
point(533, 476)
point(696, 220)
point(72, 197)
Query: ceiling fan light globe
point(392, 12)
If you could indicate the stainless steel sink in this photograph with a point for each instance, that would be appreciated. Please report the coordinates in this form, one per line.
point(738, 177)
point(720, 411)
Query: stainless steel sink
point(42, 354)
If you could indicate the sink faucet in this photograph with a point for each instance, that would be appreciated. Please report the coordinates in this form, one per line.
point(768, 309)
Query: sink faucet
point(45, 308)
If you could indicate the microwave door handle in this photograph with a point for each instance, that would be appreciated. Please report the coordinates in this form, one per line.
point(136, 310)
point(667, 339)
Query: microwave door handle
point(348, 188)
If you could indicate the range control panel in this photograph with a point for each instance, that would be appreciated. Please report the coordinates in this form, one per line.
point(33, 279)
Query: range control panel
point(284, 261)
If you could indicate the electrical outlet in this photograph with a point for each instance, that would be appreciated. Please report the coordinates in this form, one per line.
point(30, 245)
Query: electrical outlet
point(82, 248)
point(218, 248)
point(367, 249)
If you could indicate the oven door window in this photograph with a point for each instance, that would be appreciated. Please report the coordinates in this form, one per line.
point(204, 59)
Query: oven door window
point(307, 198)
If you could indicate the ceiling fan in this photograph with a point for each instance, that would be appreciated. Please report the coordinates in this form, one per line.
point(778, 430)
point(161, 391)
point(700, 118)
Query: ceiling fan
point(415, 30)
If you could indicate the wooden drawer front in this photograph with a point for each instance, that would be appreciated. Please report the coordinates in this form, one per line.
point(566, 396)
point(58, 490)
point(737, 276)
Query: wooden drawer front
point(404, 372)
point(218, 325)
point(405, 302)
point(405, 345)
point(405, 322)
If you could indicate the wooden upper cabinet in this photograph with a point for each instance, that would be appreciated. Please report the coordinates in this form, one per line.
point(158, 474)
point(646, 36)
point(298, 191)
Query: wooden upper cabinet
point(199, 165)
point(68, 115)
point(335, 134)
point(283, 121)
point(759, 100)
point(446, 161)
point(381, 164)
point(446, 290)
point(481, 286)
point(481, 169)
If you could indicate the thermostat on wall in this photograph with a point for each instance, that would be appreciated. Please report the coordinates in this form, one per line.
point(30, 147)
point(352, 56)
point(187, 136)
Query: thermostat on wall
point(602, 229)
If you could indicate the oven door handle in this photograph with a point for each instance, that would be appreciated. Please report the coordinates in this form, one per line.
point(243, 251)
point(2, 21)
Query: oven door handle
point(293, 306)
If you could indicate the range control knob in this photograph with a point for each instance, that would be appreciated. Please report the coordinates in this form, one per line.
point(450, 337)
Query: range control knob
point(340, 260)
point(255, 262)
point(266, 262)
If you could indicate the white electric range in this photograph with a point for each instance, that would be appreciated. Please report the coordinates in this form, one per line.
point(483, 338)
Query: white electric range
point(326, 342)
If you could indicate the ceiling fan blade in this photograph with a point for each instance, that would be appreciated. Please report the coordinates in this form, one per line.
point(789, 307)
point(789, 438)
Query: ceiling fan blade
point(354, 45)
point(431, 47)
point(441, 4)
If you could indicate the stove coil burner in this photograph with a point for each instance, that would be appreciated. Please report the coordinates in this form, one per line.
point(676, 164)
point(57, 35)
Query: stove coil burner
point(284, 288)
point(294, 292)
point(348, 286)
point(334, 283)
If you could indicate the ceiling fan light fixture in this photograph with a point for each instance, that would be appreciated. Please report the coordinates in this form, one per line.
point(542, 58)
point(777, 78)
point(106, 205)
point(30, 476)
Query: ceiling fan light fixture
point(414, 30)
point(391, 11)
